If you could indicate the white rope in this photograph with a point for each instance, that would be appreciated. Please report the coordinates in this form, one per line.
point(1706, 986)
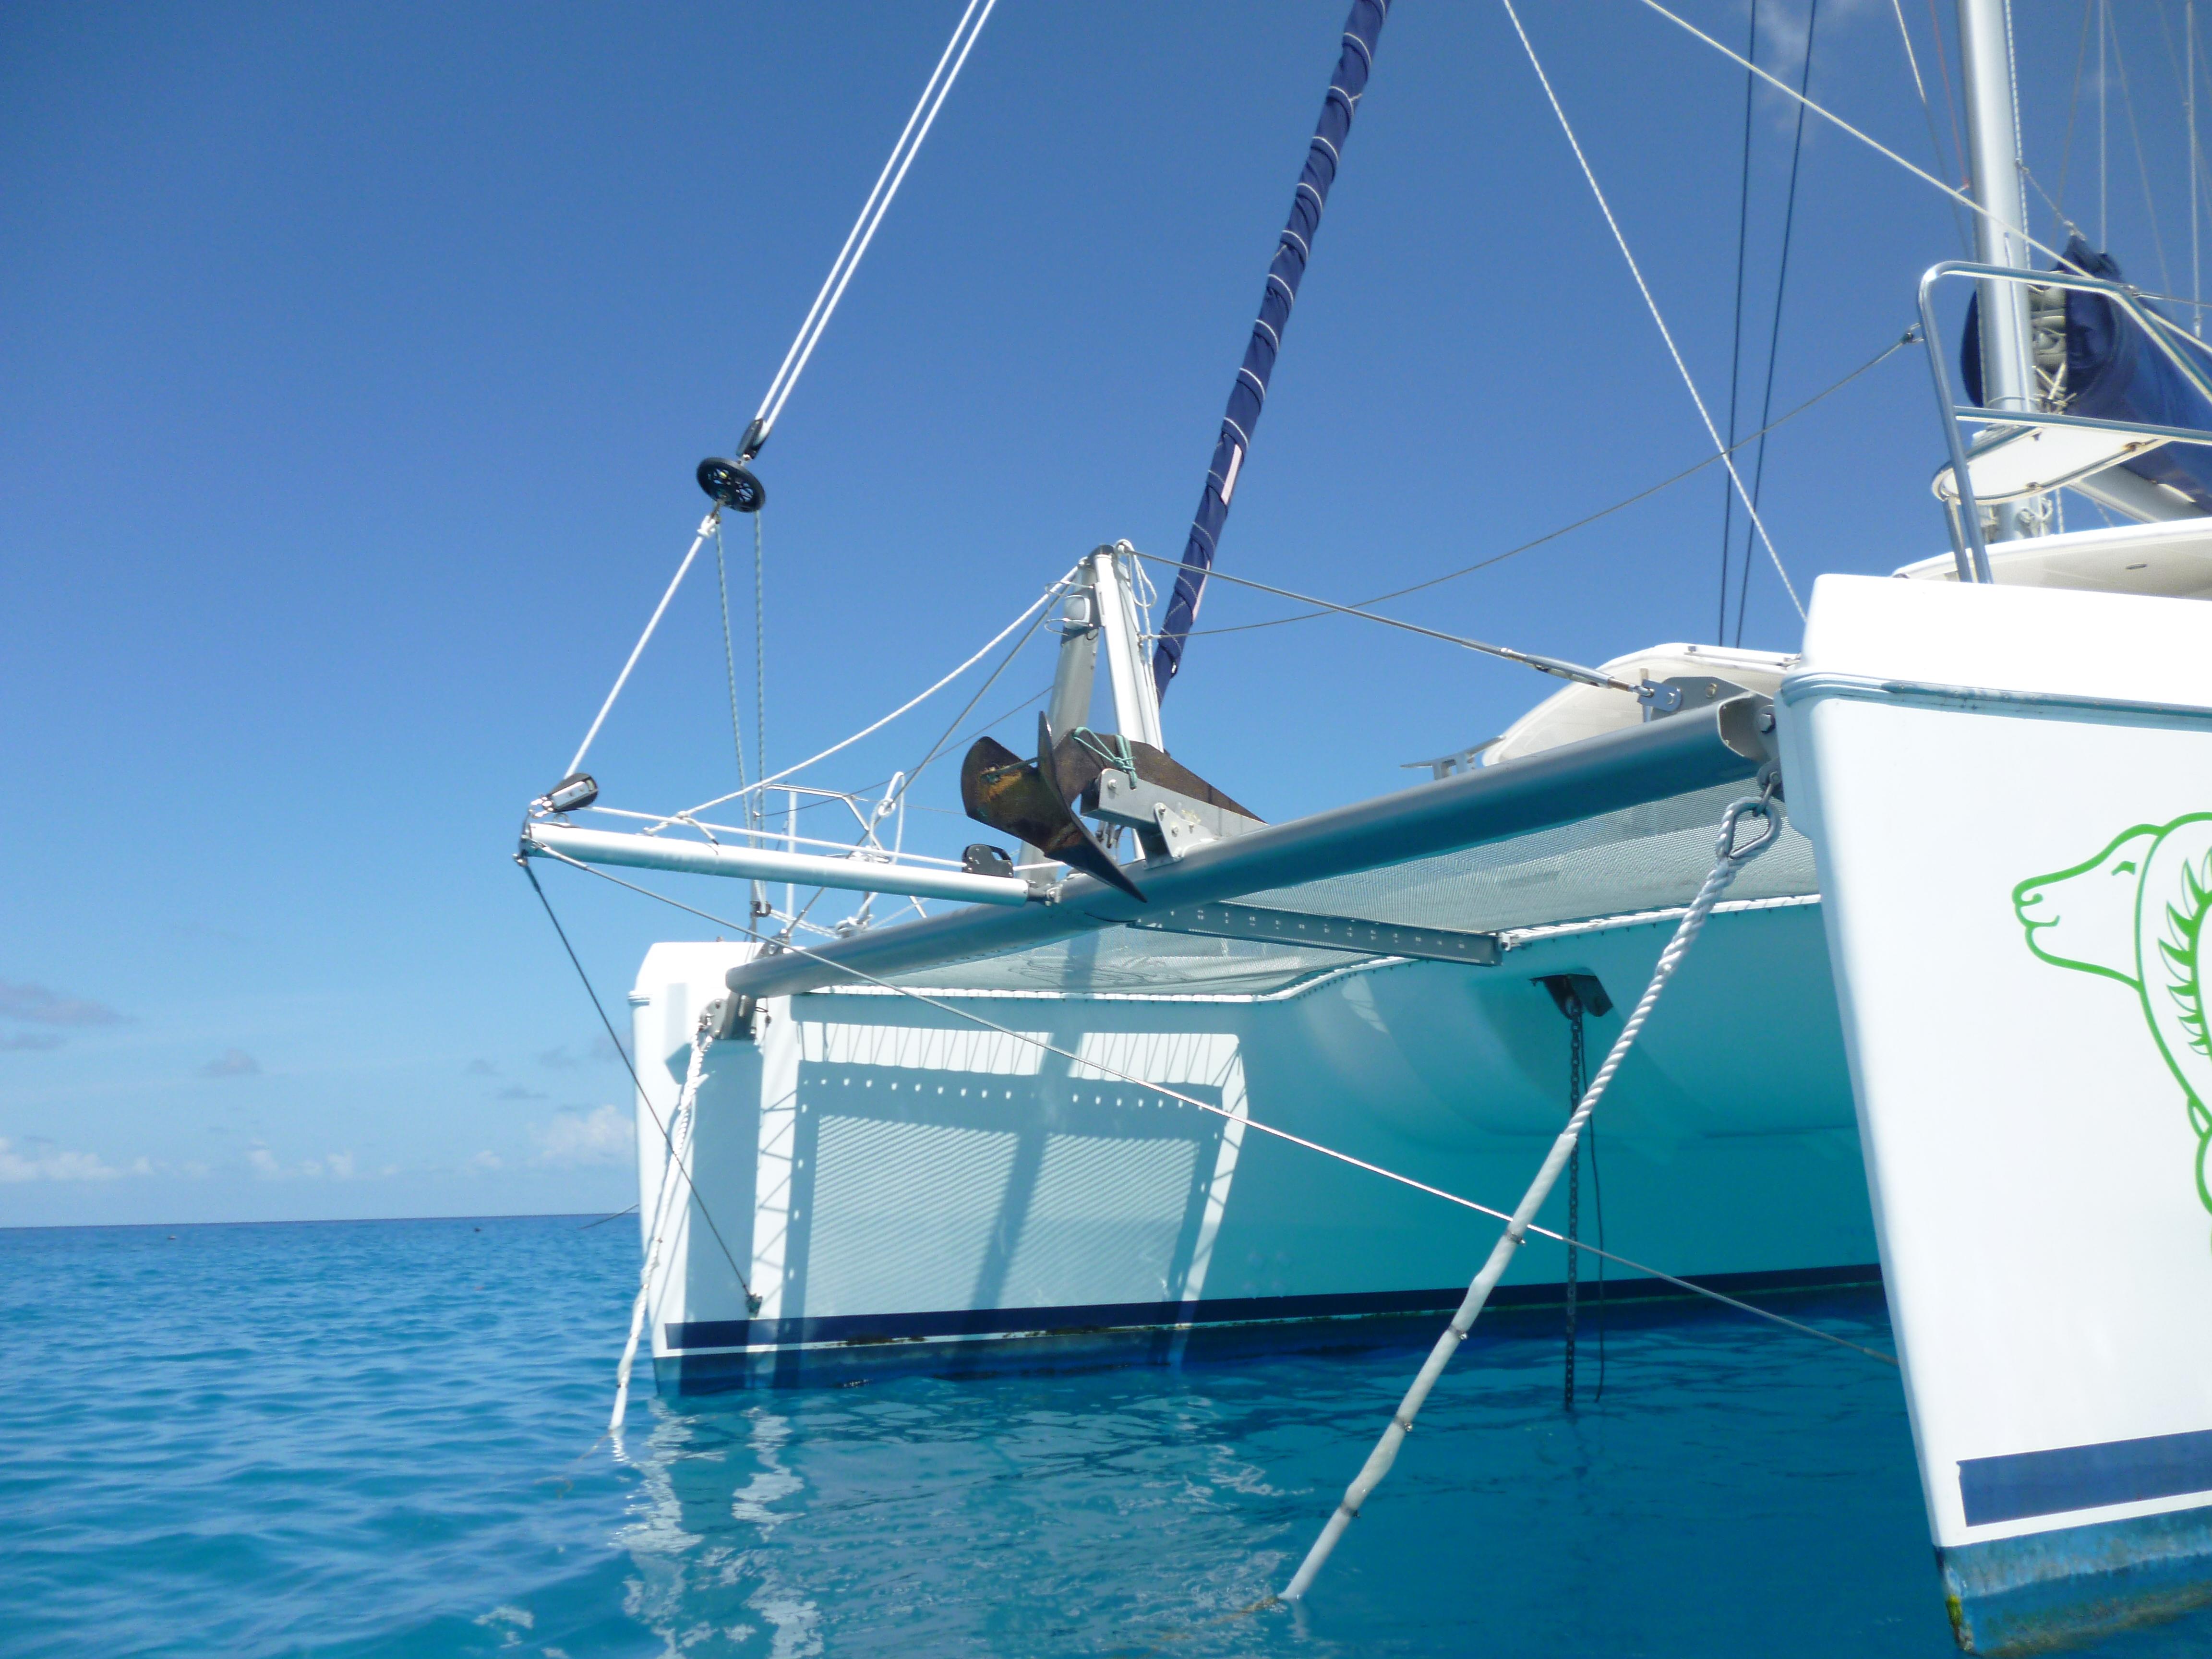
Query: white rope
point(1720, 445)
point(871, 214)
point(707, 526)
point(1728, 860)
point(1045, 598)
point(680, 1143)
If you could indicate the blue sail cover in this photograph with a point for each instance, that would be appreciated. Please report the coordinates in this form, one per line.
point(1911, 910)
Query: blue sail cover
point(1249, 395)
point(2113, 372)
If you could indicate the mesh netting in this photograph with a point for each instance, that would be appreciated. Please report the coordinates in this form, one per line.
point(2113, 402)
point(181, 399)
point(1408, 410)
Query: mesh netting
point(1140, 961)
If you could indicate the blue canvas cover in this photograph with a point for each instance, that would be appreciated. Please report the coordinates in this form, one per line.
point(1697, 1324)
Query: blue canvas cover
point(2114, 373)
point(1249, 394)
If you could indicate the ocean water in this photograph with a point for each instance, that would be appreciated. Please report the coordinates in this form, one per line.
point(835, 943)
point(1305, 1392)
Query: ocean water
point(383, 1438)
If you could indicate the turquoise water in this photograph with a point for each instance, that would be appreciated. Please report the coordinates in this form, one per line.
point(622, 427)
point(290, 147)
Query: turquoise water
point(377, 1439)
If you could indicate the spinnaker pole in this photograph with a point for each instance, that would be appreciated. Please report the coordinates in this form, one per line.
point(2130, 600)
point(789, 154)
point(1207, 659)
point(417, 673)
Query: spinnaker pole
point(1249, 395)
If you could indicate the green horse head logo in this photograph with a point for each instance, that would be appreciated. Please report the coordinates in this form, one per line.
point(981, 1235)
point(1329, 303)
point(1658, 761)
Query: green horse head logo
point(2135, 913)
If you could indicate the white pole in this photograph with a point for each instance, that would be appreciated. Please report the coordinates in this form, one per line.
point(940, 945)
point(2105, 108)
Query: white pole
point(1136, 701)
point(700, 858)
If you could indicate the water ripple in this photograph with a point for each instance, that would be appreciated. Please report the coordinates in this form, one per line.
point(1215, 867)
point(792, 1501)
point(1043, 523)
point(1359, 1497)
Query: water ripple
point(378, 1439)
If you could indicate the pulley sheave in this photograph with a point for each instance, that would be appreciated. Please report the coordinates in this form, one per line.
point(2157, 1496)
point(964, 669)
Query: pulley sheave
point(731, 485)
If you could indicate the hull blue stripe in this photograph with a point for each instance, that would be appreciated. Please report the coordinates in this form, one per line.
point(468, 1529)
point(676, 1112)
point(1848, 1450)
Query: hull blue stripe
point(865, 1328)
point(2022, 1484)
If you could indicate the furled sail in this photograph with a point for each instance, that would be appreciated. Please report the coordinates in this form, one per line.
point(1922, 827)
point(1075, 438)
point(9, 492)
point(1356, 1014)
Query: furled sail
point(1249, 395)
point(2114, 373)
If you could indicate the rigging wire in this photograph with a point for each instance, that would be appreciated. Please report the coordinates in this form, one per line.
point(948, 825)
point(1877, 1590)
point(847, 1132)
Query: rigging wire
point(946, 740)
point(1652, 305)
point(1828, 115)
point(643, 1099)
point(1092, 1064)
point(1907, 338)
point(1558, 668)
point(707, 526)
point(2073, 110)
point(2184, 63)
point(1042, 600)
point(2142, 165)
point(730, 650)
point(1950, 103)
point(1781, 289)
point(933, 94)
point(1927, 109)
point(1735, 325)
point(760, 659)
point(866, 789)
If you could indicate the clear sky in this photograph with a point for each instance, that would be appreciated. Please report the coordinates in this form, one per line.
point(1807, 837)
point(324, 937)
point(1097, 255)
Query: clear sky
point(357, 359)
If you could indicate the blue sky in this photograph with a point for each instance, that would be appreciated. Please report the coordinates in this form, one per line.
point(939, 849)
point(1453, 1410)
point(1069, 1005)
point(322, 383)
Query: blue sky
point(358, 358)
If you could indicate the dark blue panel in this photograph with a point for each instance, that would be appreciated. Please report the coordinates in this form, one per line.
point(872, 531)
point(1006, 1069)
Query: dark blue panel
point(1249, 395)
point(1084, 1319)
point(2023, 1484)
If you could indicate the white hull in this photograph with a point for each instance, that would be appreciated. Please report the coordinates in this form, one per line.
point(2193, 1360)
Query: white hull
point(901, 1187)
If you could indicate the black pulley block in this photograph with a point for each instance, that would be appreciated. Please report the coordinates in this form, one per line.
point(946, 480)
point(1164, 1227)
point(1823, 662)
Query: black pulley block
point(731, 485)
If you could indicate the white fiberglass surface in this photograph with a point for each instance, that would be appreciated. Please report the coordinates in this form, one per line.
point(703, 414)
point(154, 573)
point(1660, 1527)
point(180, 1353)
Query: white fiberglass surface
point(1103, 1223)
point(896, 1219)
point(2167, 561)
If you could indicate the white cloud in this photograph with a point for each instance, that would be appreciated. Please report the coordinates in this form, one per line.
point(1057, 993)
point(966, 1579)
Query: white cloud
point(485, 1161)
point(39, 1159)
point(601, 1136)
point(341, 1165)
point(266, 1164)
point(231, 1062)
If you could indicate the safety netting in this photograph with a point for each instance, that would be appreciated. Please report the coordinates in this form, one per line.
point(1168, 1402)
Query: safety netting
point(1630, 863)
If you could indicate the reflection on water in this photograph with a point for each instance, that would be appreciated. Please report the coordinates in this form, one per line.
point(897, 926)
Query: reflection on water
point(1734, 1485)
point(375, 1441)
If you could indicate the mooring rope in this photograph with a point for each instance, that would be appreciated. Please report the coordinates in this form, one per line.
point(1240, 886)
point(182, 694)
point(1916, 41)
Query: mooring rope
point(679, 1142)
point(1728, 858)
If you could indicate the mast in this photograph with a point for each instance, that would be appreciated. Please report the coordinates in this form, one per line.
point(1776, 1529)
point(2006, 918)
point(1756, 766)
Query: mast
point(2000, 232)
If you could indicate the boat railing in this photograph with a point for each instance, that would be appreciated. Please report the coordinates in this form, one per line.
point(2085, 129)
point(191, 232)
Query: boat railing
point(1969, 544)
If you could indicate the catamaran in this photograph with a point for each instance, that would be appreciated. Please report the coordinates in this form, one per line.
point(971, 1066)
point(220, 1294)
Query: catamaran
point(1167, 1077)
